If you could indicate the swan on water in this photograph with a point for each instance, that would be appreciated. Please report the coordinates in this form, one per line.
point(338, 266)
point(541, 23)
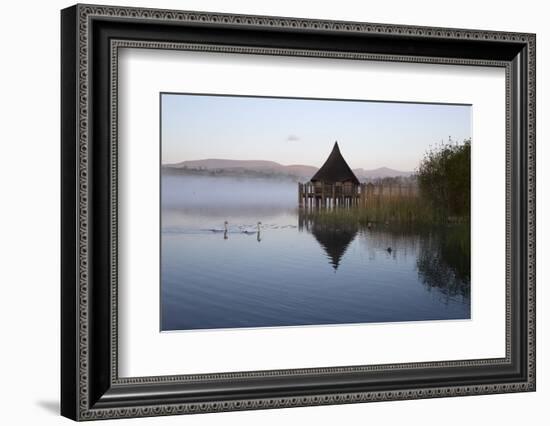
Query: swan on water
point(250, 231)
point(219, 229)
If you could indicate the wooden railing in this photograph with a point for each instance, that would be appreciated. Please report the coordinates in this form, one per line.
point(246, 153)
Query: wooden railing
point(319, 195)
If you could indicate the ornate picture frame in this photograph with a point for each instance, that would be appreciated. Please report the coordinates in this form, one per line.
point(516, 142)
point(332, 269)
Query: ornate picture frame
point(91, 37)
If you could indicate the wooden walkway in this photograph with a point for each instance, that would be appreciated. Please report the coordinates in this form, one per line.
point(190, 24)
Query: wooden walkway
point(318, 195)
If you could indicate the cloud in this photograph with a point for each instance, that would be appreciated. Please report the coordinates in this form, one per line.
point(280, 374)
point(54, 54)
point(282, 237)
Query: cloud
point(292, 138)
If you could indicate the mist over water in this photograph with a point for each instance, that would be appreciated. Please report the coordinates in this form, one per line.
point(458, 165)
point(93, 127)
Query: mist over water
point(295, 270)
point(219, 193)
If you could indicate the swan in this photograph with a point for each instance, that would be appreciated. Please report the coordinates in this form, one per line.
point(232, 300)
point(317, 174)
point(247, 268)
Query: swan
point(220, 230)
point(250, 231)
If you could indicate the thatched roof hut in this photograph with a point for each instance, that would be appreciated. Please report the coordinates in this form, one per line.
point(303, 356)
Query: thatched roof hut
point(335, 169)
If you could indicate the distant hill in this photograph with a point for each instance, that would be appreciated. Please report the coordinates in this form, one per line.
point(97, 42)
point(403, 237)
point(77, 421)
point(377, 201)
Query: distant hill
point(381, 172)
point(262, 168)
point(216, 163)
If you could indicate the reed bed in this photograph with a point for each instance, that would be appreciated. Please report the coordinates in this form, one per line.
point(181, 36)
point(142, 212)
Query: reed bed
point(406, 210)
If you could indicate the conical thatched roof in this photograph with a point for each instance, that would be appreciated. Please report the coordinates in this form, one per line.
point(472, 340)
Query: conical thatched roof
point(335, 169)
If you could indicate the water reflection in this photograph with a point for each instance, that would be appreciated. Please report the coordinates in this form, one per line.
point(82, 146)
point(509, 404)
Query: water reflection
point(444, 261)
point(334, 239)
point(301, 269)
point(442, 252)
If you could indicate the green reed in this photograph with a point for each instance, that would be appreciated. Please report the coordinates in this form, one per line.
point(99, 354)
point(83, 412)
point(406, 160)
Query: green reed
point(406, 210)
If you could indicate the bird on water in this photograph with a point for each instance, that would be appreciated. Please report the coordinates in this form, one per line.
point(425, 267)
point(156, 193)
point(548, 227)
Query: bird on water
point(219, 229)
point(250, 231)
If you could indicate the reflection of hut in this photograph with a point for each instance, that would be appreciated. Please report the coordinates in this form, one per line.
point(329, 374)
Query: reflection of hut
point(334, 241)
point(333, 185)
point(334, 238)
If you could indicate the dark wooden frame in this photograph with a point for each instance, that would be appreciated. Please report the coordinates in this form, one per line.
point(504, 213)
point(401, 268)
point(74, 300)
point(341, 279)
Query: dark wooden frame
point(90, 386)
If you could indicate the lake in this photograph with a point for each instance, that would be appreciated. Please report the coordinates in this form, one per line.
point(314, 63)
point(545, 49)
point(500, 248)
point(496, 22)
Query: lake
point(297, 270)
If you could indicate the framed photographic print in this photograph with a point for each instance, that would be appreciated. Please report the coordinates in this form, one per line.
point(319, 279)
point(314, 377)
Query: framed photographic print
point(263, 212)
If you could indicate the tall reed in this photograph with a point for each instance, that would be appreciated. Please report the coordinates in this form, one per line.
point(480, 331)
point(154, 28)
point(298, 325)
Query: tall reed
point(413, 210)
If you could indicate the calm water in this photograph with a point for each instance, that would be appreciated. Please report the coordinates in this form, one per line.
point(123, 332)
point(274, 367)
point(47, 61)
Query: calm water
point(297, 271)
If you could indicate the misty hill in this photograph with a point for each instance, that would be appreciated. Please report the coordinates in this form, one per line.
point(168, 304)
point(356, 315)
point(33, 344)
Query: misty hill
point(262, 168)
point(381, 172)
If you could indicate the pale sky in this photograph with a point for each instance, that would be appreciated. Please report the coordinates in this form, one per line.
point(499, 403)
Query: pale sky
point(303, 131)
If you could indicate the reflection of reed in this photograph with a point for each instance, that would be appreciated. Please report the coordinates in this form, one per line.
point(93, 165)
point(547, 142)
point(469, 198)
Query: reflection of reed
point(444, 261)
point(442, 252)
point(377, 239)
